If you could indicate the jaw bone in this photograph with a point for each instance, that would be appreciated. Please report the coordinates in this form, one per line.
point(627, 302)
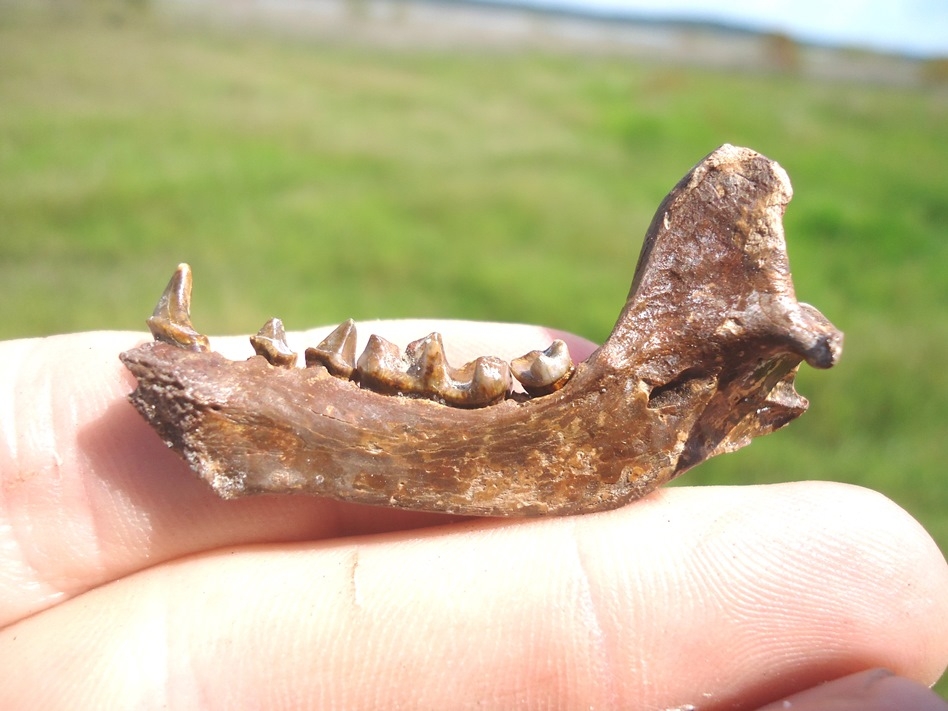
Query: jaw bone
point(701, 360)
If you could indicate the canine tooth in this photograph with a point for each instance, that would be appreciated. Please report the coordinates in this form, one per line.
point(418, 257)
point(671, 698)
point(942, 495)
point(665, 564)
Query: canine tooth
point(542, 372)
point(171, 320)
point(337, 351)
point(270, 342)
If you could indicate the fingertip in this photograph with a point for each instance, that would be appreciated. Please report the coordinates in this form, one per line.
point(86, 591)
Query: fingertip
point(814, 577)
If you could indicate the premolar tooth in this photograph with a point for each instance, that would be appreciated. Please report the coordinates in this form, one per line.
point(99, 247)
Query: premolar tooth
point(171, 320)
point(337, 351)
point(382, 368)
point(428, 364)
point(270, 342)
point(543, 372)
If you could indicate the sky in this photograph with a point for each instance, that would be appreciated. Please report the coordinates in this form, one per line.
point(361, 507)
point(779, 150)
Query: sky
point(915, 27)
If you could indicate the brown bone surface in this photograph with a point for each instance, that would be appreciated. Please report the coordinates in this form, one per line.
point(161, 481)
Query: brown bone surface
point(701, 360)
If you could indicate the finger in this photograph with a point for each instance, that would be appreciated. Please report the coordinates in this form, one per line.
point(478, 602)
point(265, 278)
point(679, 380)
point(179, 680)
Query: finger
point(716, 597)
point(89, 493)
point(872, 690)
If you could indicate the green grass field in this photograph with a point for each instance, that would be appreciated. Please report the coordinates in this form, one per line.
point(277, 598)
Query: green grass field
point(317, 182)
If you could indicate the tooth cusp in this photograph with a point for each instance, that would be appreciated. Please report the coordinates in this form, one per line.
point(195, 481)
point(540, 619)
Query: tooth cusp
point(546, 371)
point(336, 352)
point(383, 368)
point(270, 342)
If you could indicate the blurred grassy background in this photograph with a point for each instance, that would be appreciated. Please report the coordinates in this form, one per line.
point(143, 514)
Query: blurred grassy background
point(317, 181)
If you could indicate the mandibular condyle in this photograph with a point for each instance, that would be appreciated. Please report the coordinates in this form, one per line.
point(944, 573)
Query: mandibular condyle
point(701, 360)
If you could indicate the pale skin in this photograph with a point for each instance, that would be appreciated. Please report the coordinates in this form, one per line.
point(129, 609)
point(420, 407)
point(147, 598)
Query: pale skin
point(125, 582)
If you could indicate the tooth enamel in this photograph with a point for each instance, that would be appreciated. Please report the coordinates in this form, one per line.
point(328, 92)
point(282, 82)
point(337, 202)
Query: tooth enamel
point(382, 368)
point(270, 342)
point(543, 372)
point(491, 381)
point(171, 320)
point(481, 382)
point(428, 364)
point(336, 352)
point(424, 371)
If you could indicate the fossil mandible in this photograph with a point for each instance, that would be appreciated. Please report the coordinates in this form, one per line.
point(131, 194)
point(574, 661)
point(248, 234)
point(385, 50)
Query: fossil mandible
point(701, 360)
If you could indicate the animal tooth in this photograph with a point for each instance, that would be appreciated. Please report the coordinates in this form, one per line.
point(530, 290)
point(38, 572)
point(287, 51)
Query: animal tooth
point(423, 371)
point(427, 365)
point(336, 351)
point(382, 367)
point(481, 382)
point(270, 342)
point(171, 320)
point(546, 371)
point(491, 381)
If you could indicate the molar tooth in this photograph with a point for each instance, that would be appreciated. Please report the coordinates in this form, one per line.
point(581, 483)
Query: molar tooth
point(543, 372)
point(424, 371)
point(481, 382)
point(171, 320)
point(491, 381)
point(337, 351)
point(270, 342)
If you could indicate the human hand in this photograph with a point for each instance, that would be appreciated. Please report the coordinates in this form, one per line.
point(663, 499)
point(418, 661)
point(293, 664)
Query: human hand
point(126, 583)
